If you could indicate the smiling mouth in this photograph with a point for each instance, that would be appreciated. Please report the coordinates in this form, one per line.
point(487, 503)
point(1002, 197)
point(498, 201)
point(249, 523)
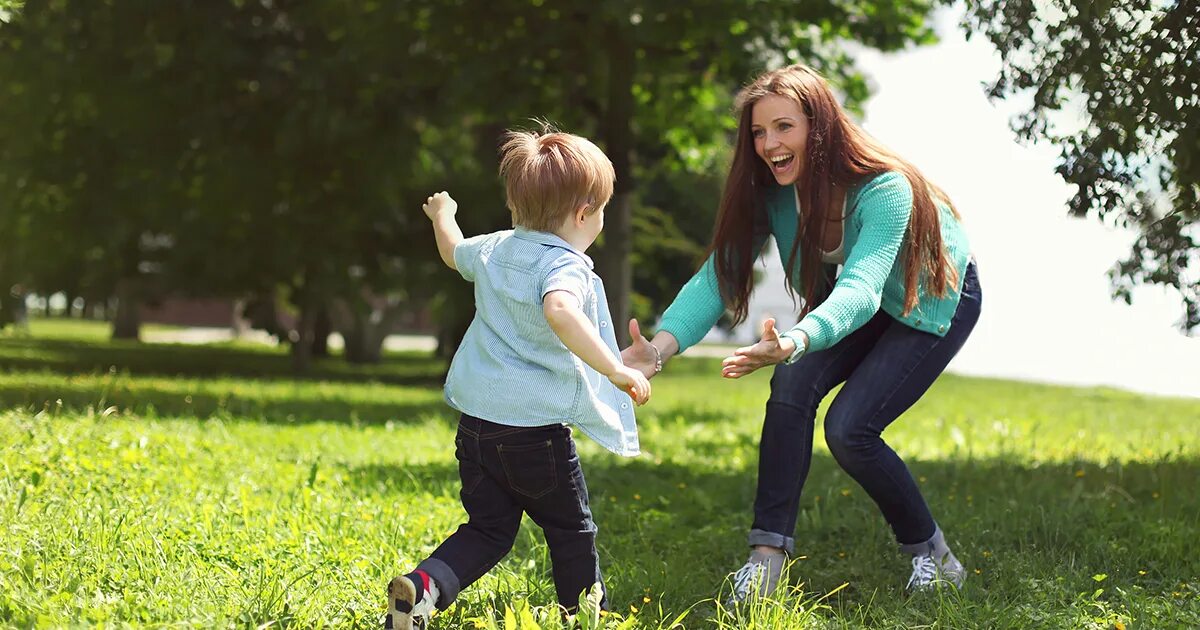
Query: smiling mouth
point(780, 163)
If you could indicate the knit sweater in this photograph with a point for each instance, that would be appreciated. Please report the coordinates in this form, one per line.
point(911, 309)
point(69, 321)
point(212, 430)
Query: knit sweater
point(872, 277)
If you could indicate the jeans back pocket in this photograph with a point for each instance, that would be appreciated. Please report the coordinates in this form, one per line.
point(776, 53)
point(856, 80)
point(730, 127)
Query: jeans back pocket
point(530, 468)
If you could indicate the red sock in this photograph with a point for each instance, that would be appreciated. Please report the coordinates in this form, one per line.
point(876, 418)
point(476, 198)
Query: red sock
point(424, 579)
point(421, 580)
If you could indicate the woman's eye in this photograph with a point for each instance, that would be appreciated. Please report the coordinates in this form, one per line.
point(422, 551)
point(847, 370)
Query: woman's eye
point(785, 126)
point(758, 133)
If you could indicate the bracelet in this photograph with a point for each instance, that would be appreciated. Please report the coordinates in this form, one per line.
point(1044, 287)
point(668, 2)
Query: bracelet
point(657, 359)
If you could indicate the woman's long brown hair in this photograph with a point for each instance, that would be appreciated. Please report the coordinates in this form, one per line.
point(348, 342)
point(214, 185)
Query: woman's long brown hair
point(839, 155)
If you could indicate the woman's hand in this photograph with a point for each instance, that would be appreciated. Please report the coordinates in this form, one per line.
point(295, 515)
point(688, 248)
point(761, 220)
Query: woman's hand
point(771, 349)
point(639, 355)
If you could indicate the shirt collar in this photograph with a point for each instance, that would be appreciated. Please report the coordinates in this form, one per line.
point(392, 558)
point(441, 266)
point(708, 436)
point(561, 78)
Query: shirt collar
point(550, 240)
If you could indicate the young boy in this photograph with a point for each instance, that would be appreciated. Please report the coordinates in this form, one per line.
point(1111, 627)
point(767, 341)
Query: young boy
point(540, 355)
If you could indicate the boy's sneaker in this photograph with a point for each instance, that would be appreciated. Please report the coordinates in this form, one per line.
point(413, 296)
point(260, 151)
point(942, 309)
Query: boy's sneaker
point(933, 564)
point(759, 577)
point(411, 600)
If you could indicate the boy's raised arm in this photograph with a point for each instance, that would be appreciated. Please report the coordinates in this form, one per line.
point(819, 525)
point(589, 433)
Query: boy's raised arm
point(440, 208)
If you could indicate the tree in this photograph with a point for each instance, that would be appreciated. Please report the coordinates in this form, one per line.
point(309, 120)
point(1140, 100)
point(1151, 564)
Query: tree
point(86, 129)
point(1133, 67)
point(223, 148)
point(244, 148)
point(649, 79)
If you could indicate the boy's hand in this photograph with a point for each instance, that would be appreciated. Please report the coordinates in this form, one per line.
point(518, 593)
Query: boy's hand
point(441, 204)
point(632, 382)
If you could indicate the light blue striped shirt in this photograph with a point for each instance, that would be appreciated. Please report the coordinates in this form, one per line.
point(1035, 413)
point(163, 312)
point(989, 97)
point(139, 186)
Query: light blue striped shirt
point(511, 368)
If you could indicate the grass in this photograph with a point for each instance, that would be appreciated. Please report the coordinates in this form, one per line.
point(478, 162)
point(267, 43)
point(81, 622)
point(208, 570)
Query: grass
point(82, 329)
point(173, 486)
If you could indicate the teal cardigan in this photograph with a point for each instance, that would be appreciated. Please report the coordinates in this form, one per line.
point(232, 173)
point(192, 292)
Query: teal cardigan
point(872, 277)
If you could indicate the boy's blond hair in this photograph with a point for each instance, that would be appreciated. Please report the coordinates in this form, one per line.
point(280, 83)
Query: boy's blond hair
point(550, 175)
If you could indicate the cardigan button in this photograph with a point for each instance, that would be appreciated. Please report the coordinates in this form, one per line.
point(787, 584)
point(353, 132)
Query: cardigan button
point(941, 329)
point(918, 322)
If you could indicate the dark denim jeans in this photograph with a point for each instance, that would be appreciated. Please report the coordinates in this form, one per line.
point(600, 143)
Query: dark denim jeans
point(886, 367)
point(507, 471)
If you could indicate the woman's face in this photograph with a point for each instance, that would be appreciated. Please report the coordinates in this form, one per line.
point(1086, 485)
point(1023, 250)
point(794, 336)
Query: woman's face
point(780, 131)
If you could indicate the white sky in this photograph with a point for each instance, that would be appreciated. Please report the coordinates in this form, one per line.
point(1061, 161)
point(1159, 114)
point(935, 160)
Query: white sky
point(1047, 311)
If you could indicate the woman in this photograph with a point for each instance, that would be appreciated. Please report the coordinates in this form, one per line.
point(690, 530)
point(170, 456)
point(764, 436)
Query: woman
point(886, 325)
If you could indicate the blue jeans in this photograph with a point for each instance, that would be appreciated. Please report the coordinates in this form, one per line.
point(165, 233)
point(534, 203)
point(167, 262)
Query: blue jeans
point(507, 471)
point(886, 367)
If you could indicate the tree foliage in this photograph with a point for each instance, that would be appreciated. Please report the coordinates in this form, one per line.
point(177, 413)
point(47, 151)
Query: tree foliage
point(260, 147)
point(1133, 69)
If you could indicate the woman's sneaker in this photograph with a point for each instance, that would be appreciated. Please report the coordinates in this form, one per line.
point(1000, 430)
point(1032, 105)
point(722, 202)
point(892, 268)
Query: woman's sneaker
point(929, 571)
point(759, 577)
point(933, 563)
point(411, 600)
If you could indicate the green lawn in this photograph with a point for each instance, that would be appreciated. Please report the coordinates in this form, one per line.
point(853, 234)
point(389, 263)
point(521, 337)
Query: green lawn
point(174, 486)
point(81, 329)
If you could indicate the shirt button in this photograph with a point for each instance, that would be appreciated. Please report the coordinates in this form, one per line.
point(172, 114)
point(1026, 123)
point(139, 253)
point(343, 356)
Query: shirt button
point(604, 324)
point(624, 405)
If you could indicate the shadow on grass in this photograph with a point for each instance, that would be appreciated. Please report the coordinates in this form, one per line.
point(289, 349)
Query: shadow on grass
point(675, 531)
point(181, 402)
point(69, 356)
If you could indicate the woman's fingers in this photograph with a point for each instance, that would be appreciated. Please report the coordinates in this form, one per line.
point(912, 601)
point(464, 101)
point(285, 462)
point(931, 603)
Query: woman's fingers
point(757, 352)
point(769, 331)
point(756, 359)
point(635, 332)
point(739, 369)
point(736, 372)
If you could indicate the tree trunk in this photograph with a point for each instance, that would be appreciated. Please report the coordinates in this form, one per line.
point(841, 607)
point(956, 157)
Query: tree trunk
point(261, 312)
point(302, 342)
point(363, 345)
point(613, 263)
point(321, 329)
point(454, 317)
point(239, 325)
point(362, 331)
point(127, 322)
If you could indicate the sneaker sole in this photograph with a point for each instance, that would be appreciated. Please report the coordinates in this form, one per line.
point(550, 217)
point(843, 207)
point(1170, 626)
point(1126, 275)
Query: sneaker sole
point(401, 595)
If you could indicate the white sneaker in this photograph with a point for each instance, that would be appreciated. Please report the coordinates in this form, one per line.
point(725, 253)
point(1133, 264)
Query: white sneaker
point(759, 577)
point(929, 571)
point(933, 563)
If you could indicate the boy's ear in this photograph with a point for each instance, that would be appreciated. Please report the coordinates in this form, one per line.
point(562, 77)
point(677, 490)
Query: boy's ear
point(582, 213)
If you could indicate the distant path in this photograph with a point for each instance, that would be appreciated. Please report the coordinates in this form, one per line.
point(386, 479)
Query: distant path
point(395, 343)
